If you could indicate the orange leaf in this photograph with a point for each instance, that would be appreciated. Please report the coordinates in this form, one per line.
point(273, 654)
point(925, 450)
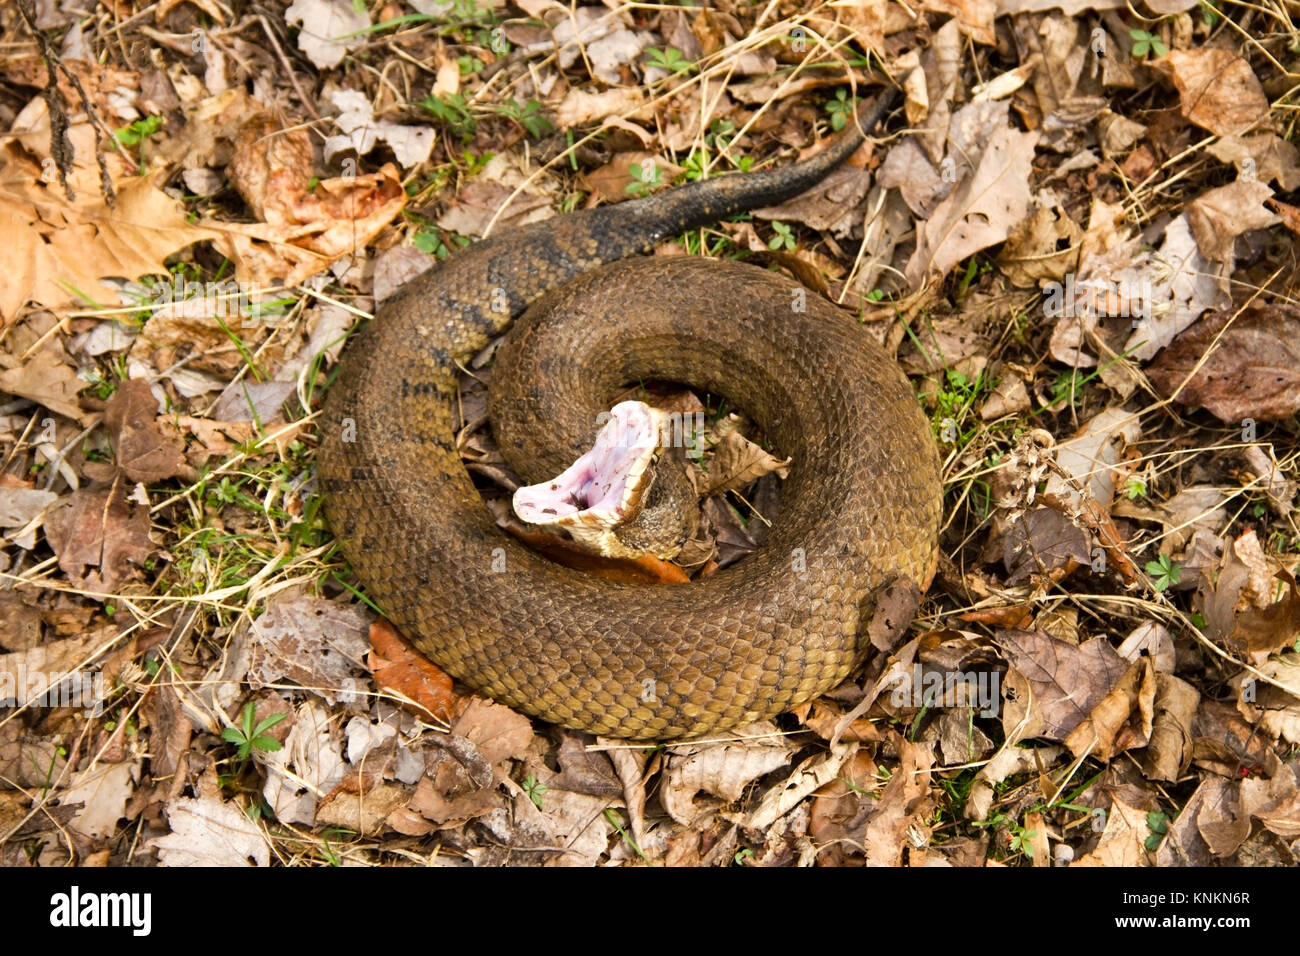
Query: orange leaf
point(399, 667)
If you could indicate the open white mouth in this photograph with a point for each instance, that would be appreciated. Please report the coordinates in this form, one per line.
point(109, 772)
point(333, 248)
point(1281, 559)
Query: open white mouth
point(605, 487)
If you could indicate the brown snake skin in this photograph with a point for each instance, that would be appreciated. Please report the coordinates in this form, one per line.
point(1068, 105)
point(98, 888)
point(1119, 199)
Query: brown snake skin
point(860, 510)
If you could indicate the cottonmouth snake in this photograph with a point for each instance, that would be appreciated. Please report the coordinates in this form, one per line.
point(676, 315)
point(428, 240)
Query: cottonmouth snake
point(859, 512)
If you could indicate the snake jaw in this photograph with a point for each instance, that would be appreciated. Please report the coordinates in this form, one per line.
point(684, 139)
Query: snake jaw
point(605, 487)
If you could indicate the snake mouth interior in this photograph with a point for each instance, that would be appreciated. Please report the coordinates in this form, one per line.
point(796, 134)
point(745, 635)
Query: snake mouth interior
point(603, 488)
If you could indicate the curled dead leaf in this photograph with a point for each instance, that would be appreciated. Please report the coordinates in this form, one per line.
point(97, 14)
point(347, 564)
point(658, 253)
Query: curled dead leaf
point(1237, 366)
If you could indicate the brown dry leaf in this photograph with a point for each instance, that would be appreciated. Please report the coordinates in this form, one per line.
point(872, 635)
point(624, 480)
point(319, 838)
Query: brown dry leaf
point(191, 329)
point(592, 771)
point(824, 720)
point(1225, 743)
point(1043, 541)
point(1253, 370)
point(947, 342)
point(1266, 630)
point(459, 784)
point(480, 203)
point(811, 775)
point(1184, 845)
point(1155, 641)
point(1219, 216)
point(921, 185)
point(960, 742)
point(1034, 840)
point(840, 801)
point(304, 231)
point(572, 823)
point(20, 503)
point(169, 731)
point(48, 378)
point(982, 211)
point(1243, 615)
point(38, 672)
point(895, 607)
point(20, 623)
point(899, 818)
point(1042, 248)
point(581, 107)
point(14, 810)
point(143, 453)
point(1194, 508)
point(631, 766)
point(495, 730)
point(737, 461)
point(952, 670)
point(308, 766)
point(1122, 719)
point(1170, 752)
point(1062, 72)
point(1220, 820)
point(1118, 134)
point(28, 760)
point(849, 819)
point(215, 438)
point(1134, 300)
point(1217, 89)
point(361, 804)
point(112, 91)
point(207, 831)
point(400, 668)
point(206, 140)
point(722, 770)
point(1057, 684)
point(98, 530)
point(834, 205)
point(453, 809)
point(1123, 842)
point(343, 215)
point(316, 643)
point(974, 17)
point(1275, 709)
point(398, 265)
point(1275, 802)
point(103, 790)
point(63, 249)
point(1183, 285)
point(1263, 156)
point(271, 169)
point(1091, 457)
point(612, 180)
point(1290, 215)
point(209, 7)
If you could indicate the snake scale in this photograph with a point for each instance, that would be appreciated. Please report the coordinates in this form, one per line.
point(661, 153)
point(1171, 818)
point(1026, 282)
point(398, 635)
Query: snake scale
point(860, 510)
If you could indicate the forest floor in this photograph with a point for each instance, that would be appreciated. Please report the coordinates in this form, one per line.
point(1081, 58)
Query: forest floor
point(1077, 236)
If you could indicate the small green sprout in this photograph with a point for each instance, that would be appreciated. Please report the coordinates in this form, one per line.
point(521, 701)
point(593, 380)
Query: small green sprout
point(1164, 571)
point(784, 237)
point(249, 736)
point(1144, 42)
point(535, 790)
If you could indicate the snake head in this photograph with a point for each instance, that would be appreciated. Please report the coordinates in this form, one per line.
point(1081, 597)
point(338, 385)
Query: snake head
point(622, 499)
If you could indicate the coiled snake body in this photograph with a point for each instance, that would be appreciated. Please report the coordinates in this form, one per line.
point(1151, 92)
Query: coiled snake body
point(860, 510)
